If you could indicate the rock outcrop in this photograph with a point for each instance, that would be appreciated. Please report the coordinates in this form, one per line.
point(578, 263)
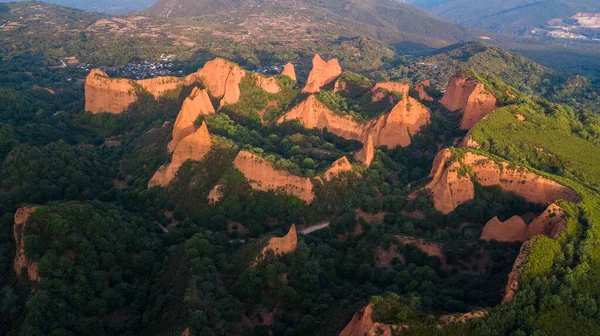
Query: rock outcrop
point(21, 261)
point(104, 94)
point(362, 325)
point(290, 71)
point(114, 95)
point(397, 127)
point(314, 114)
point(470, 97)
point(392, 129)
point(511, 230)
point(193, 147)
point(268, 84)
point(339, 166)
point(222, 79)
point(421, 88)
point(197, 104)
point(382, 90)
point(263, 176)
point(322, 74)
point(367, 153)
point(452, 186)
point(550, 224)
point(283, 245)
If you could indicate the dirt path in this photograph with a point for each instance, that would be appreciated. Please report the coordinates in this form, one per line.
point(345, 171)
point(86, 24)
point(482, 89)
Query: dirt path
point(314, 228)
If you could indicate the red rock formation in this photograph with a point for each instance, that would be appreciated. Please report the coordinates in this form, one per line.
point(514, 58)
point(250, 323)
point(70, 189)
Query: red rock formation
point(362, 325)
point(550, 224)
point(103, 94)
point(21, 261)
point(339, 166)
point(469, 97)
point(405, 120)
point(512, 230)
point(393, 129)
point(158, 86)
point(215, 194)
point(313, 114)
point(284, 245)
point(367, 153)
point(268, 84)
point(263, 176)
point(290, 71)
point(222, 79)
point(322, 74)
point(452, 187)
point(197, 104)
point(114, 95)
point(193, 147)
point(513, 277)
point(421, 88)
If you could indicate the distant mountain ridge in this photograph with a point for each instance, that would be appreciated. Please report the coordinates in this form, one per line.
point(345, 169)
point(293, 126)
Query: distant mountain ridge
point(506, 16)
point(383, 14)
point(102, 6)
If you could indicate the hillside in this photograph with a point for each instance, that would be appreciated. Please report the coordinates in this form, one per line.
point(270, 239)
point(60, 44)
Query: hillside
point(102, 6)
point(385, 15)
point(512, 16)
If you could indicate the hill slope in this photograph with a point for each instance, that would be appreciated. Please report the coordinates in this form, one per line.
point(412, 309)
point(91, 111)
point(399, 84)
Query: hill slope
point(102, 6)
point(383, 14)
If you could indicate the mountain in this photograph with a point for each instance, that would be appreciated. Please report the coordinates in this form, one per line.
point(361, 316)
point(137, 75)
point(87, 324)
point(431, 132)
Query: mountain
point(102, 6)
point(506, 16)
point(387, 16)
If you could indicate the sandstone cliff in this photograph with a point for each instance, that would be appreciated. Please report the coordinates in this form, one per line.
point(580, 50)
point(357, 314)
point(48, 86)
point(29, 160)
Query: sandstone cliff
point(290, 71)
point(104, 94)
point(21, 261)
point(197, 104)
point(314, 114)
point(193, 147)
point(392, 129)
point(284, 245)
point(339, 166)
point(222, 79)
point(397, 127)
point(367, 153)
point(550, 224)
point(263, 176)
point(451, 187)
point(322, 74)
point(421, 88)
point(382, 90)
point(114, 95)
point(469, 97)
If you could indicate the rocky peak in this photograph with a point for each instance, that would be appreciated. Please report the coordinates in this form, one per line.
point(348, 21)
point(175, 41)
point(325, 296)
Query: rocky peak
point(470, 97)
point(421, 88)
point(196, 104)
point(322, 74)
point(222, 79)
point(283, 245)
point(21, 261)
point(339, 166)
point(290, 71)
point(193, 147)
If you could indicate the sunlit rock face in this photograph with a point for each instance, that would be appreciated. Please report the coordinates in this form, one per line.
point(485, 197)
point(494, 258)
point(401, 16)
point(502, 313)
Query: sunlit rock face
point(322, 73)
point(21, 262)
point(469, 97)
point(451, 186)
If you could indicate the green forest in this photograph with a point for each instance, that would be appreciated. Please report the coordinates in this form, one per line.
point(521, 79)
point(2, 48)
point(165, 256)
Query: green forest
point(117, 258)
